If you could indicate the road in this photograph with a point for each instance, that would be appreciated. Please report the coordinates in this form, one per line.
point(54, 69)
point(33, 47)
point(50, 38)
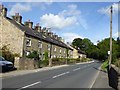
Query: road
point(73, 76)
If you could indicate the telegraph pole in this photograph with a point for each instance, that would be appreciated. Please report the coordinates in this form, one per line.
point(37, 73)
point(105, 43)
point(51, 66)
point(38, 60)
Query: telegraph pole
point(110, 58)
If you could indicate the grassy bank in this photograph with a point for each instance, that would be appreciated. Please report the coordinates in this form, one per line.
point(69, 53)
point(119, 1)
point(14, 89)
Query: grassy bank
point(105, 65)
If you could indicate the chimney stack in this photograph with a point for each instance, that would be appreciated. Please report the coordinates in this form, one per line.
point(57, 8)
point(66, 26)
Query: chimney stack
point(37, 27)
point(56, 37)
point(3, 11)
point(17, 18)
point(29, 24)
point(45, 31)
point(60, 38)
point(50, 34)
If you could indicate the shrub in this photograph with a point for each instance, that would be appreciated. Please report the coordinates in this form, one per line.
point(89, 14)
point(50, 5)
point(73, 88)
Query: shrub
point(117, 63)
point(46, 56)
point(5, 52)
point(44, 63)
point(105, 65)
point(34, 55)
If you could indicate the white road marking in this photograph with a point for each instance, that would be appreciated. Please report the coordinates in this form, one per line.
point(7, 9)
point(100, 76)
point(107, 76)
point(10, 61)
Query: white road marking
point(29, 85)
point(95, 78)
point(76, 69)
point(60, 75)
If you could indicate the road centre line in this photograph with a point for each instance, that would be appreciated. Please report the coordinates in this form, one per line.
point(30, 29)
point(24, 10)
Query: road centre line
point(76, 69)
point(29, 85)
point(60, 74)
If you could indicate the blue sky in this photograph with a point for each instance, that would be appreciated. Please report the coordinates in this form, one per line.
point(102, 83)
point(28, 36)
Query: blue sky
point(69, 19)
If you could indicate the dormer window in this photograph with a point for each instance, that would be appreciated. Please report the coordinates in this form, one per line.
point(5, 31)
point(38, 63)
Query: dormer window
point(28, 42)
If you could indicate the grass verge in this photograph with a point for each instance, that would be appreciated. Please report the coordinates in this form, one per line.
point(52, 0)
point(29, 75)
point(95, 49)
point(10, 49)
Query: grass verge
point(105, 65)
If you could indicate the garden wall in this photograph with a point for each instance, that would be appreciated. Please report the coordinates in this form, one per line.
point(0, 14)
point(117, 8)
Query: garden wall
point(25, 63)
point(114, 77)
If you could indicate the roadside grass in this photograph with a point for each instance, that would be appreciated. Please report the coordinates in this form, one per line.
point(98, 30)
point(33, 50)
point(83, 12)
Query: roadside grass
point(105, 65)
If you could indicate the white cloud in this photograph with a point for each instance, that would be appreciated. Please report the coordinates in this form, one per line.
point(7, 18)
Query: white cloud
point(69, 37)
point(56, 21)
point(65, 18)
point(71, 11)
point(25, 7)
point(19, 8)
point(117, 34)
point(106, 10)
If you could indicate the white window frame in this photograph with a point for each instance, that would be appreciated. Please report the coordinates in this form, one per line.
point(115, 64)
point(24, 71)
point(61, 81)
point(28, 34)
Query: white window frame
point(60, 50)
point(27, 53)
point(64, 51)
point(40, 44)
point(28, 40)
point(48, 46)
point(55, 49)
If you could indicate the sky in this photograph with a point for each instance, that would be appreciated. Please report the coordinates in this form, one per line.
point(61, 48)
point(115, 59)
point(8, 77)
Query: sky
point(70, 19)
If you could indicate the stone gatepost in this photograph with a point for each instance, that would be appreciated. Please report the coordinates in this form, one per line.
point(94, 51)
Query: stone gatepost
point(17, 62)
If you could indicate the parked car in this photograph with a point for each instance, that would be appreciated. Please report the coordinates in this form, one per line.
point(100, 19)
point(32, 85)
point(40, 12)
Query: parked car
point(5, 65)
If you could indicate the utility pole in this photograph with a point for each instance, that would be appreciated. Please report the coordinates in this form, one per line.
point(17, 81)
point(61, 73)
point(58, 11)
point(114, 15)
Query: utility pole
point(110, 58)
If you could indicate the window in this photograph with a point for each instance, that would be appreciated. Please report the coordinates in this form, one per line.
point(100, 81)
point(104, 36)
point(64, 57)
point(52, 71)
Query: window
point(54, 56)
point(55, 49)
point(39, 44)
point(64, 51)
point(27, 53)
point(48, 46)
point(60, 50)
point(28, 42)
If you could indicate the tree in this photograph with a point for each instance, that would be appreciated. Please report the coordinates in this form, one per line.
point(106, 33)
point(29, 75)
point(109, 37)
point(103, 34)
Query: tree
point(86, 43)
point(100, 51)
point(77, 43)
point(104, 47)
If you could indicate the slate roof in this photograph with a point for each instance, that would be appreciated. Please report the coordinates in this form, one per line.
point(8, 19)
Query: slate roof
point(41, 36)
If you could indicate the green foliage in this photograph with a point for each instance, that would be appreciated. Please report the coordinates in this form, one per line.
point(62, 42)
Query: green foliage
point(44, 63)
point(34, 55)
point(46, 56)
point(77, 42)
point(105, 65)
point(100, 51)
point(5, 52)
point(117, 62)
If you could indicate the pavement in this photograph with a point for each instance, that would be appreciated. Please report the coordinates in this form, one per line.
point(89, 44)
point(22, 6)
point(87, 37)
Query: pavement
point(83, 75)
point(102, 80)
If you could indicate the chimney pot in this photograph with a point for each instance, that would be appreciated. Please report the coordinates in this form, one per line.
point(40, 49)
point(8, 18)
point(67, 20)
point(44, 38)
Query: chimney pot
point(37, 27)
point(28, 24)
point(16, 14)
point(17, 18)
point(3, 11)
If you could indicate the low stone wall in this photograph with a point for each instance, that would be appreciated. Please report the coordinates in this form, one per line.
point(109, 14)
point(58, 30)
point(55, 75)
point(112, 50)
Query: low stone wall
point(114, 77)
point(25, 63)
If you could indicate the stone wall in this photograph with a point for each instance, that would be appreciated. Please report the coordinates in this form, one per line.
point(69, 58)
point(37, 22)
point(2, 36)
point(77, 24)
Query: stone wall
point(114, 77)
point(11, 36)
point(25, 64)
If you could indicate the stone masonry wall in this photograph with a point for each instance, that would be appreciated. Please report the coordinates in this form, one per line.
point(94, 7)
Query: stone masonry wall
point(25, 64)
point(114, 77)
point(11, 36)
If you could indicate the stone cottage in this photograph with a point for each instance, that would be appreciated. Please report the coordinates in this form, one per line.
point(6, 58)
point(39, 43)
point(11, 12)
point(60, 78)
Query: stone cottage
point(23, 39)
